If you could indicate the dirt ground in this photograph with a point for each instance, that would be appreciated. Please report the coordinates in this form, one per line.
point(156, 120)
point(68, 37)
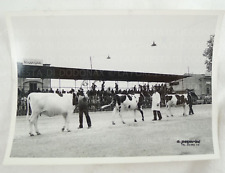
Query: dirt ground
point(161, 138)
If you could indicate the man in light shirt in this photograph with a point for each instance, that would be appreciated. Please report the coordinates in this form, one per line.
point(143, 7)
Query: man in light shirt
point(156, 105)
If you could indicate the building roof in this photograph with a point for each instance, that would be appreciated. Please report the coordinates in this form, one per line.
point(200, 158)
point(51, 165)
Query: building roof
point(31, 71)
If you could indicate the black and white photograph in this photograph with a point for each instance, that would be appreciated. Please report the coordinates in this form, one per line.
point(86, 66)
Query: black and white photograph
point(120, 85)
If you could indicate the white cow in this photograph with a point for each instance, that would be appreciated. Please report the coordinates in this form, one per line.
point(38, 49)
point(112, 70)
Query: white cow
point(174, 100)
point(124, 102)
point(50, 104)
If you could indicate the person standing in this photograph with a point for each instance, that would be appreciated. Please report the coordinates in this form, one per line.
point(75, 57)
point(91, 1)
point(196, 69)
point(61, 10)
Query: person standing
point(93, 87)
point(83, 108)
point(116, 88)
point(103, 86)
point(156, 105)
point(190, 103)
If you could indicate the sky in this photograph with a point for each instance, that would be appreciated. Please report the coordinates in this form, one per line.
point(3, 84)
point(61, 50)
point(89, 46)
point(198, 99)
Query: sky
point(70, 41)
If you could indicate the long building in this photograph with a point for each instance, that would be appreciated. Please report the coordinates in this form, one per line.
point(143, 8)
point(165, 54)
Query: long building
point(38, 79)
point(34, 75)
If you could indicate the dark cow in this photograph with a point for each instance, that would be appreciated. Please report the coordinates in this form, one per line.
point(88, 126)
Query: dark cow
point(176, 99)
point(124, 102)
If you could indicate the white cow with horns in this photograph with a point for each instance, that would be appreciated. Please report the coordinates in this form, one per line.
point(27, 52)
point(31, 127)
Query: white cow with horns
point(50, 104)
point(124, 102)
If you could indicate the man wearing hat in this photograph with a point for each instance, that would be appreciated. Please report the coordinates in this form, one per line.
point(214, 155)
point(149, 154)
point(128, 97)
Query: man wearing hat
point(83, 108)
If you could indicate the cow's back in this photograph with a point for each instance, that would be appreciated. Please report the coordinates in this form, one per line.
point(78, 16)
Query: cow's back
point(127, 102)
point(50, 103)
point(181, 99)
point(175, 99)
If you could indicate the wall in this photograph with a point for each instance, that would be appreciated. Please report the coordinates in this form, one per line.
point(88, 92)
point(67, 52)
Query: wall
point(198, 82)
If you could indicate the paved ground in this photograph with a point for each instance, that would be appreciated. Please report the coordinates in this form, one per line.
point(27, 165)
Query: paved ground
point(105, 140)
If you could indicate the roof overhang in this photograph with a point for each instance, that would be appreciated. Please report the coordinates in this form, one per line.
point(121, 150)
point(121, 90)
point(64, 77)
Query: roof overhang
point(43, 72)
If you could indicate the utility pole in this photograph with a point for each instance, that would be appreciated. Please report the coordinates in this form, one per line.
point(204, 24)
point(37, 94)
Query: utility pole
point(91, 62)
point(91, 70)
point(59, 84)
point(75, 84)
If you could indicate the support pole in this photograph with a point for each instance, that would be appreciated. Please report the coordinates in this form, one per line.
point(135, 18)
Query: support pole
point(91, 73)
point(75, 85)
point(59, 84)
point(182, 84)
point(42, 84)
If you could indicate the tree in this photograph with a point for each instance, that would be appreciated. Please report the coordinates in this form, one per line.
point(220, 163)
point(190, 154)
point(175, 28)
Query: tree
point(208, 53)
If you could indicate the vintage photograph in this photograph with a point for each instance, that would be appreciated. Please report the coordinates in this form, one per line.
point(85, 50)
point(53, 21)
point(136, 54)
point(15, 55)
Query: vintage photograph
point(113, 85)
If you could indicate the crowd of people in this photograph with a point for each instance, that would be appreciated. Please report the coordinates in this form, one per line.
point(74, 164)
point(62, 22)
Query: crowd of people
point(102, 96)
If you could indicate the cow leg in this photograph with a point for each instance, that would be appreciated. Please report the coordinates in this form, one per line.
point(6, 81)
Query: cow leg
point(167, 107)
point(121, 117)
point(169, 111)
point(113, 116)
point(31, 128)
point(31, 123)
point(185, 110)
point(121, 114)
point(135, 120)
point(67, 122)
point(36, 126)
point(66, 125)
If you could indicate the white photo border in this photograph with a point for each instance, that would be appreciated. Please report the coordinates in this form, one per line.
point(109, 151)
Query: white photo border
point(112, 160)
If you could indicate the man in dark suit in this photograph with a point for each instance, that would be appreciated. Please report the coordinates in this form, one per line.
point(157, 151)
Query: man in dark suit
point(83, 108)
point(190, 103)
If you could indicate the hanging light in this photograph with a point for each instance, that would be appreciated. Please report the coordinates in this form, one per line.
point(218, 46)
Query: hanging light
point(153, 44)
point(108, 57)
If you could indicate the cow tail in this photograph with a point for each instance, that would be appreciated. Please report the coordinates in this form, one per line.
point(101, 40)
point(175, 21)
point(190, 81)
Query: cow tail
point(106, 106)
point(28, 104)
point(112, 103)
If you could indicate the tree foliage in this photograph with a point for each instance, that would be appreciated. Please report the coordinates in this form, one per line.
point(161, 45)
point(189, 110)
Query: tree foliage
point(208, 53)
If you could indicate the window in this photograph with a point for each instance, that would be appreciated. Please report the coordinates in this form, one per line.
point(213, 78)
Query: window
point(33, 87)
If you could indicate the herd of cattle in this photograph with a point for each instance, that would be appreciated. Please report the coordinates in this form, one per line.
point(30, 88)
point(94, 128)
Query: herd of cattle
point(53, 104)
